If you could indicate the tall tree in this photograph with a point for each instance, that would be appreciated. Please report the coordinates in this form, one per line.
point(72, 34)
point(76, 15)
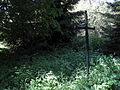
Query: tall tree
point(31, 22)
point(114, 45)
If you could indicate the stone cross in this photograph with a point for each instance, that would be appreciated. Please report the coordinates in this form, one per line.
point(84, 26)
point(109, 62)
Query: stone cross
point(86, 27)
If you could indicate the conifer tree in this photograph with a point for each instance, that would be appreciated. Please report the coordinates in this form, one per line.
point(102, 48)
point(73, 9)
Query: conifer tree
point(115, 33)
point(30, 22)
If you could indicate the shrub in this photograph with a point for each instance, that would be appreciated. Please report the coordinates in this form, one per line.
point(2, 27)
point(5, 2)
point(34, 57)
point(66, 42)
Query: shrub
point(64, 70)
point(97, 43)
point(78, 43)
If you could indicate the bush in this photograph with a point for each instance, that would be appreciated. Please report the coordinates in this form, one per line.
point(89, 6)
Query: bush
point(114, 42)
point(64, 70)
point(78, 43)
point(104, 75)
point(97, 43)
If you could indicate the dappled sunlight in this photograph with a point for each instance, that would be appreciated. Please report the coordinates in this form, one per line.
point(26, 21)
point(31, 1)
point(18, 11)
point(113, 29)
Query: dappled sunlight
point(3, 46)
point(65, 71)
point(59, 45)
point(97, 12)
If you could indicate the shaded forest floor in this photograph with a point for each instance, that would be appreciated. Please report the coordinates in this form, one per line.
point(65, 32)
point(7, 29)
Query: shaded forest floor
point(61, 69)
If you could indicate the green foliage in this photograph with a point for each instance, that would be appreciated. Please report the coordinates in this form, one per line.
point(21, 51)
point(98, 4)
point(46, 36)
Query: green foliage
point(28, 23)
point(116, 6)
point(78, 43)
point(114, 42)
point(61, 70)
point(97, 17)
point(96, 43)
point(102, 76)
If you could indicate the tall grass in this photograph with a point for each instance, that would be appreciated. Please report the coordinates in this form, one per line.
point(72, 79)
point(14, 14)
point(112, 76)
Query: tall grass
point(61, 69)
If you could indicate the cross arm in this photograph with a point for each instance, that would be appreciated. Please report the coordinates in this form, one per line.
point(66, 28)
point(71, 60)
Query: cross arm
point(84, 27)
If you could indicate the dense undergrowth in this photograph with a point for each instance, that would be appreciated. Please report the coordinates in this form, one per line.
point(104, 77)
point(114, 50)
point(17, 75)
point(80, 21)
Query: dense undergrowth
point(61, 69)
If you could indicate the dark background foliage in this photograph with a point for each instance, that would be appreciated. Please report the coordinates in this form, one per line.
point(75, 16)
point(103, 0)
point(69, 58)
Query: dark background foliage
point(28, 23)
point(114, 34)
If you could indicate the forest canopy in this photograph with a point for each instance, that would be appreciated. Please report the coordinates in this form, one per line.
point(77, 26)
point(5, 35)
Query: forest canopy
point(27, 22)
point(37, 23)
